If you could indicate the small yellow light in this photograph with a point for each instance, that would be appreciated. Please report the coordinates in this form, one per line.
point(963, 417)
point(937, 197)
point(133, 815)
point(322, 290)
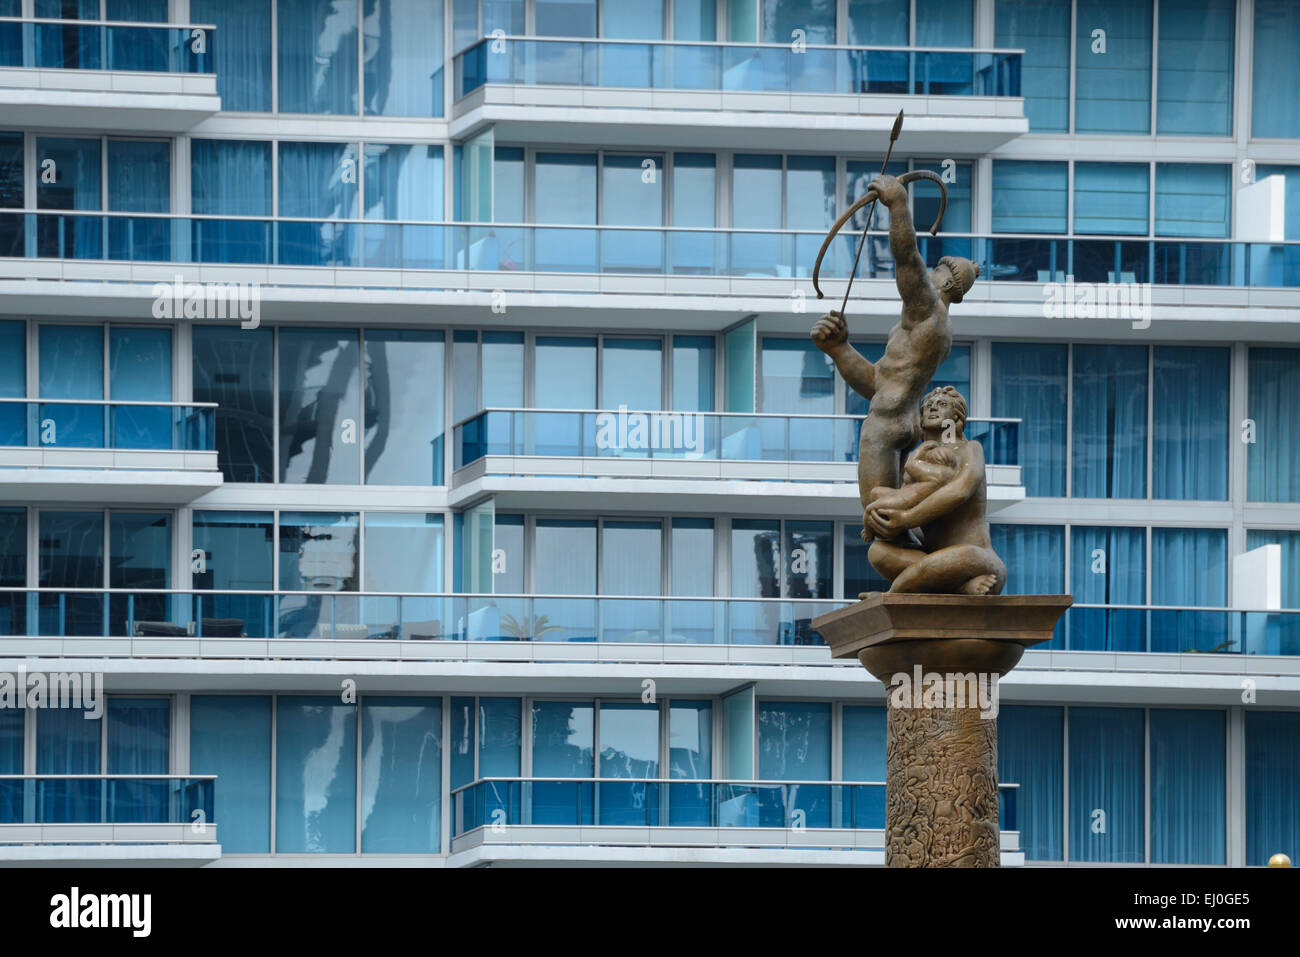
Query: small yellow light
point(1279, 860)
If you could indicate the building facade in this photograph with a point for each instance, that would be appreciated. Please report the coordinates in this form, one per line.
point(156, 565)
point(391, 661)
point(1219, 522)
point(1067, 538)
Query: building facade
point(408, 416)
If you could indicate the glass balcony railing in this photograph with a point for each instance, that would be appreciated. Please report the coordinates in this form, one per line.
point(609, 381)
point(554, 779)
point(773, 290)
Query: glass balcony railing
point(661, 802)
point(102, 424)
point(339, 615)
point(626, 250)
point(103, 45)
point(700, 436)
point(106, 799)
point(736, 67)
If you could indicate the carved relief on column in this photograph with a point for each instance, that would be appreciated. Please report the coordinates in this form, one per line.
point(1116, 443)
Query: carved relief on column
point(941, 806)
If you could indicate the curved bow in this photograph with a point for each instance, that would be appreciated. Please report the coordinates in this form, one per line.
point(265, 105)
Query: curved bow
point(870, 196)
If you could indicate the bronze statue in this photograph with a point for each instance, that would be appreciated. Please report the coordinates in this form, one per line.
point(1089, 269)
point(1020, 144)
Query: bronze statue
point(940, 488)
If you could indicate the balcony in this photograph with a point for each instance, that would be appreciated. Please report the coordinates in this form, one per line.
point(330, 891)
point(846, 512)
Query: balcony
point(633, 92)
point(495, 819)
point(99, 74)
point(503, 452)
point(107, 819)
point(614, 259)
point(334, 624)
point(89, 450)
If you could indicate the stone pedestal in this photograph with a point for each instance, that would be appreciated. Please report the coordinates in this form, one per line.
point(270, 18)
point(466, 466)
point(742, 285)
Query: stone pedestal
point(940, 657)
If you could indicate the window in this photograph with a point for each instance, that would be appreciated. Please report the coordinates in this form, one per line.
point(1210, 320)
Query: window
point(404, 417)
point(1193, 199)
point(1109, 421)
point(318, 551)
point(1030, 746)
point(403, 71)
point(1107, 567)
point(1273, 472)
point(1275, 91)
point(317, 56)
point(693, 373)
point(243, 68)
point(69, 180)
point(404, 552)
point(1042, 29)
point(1029, 383)
point(1111, 198)
point(13, 572)
point(320, 406)
point(1112, 68)
point(315, 776)
point(1189, 566)
point(1187, 787)
point(1029, 197)
point(401, 775)
point(230, 736)
point(1106, 785)
point(794, 744)
point(233, 367)
point(1272, 755)
point(1196, 65)
point(1190, 432)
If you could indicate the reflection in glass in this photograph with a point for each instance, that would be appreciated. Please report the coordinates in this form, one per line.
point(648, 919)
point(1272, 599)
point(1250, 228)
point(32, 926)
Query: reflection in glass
point(71, 555)
point(403, 58)
point(140, 370)
point(794, 744)
point(315, 775)
point(404, 552)
point(233, 368)
point(562, 746)
point(401, 775)
point(318, 551)
point(71, 367)
point(317, 56)
point(320, 406)
point(140, 556)
point(404, 384)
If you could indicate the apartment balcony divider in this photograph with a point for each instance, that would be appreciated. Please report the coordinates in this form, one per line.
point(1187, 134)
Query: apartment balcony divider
point(657, 620)
point(626, 250)
point(737, 67)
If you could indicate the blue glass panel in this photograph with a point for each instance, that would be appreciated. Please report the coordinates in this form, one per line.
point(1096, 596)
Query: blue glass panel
point(864, 744)
point(231, 178)
point(140, 556)
point(566, 18)
point(1273, 382)
point(629, 748)
point(403, 58)
point(404, 552)
point(797, 377)
point(404, 419)
point(1196, 65)
point(1042, 29)
point(1187, 787)
point(1193, 199)
point(1029, 383)
point(319, 397)
point(1276, 71)
point(462, 741)
point(755, 558)
point(1113, 69)
point(13, 571)
point(233, 367)
point(140, 370)
point(401, 775)
point(1035, 559)
point(139, 180)
point(1110, 421)
point(317, 56)
point(944, 23)
point(563, 746)
point(1272, 800)
point(693, 373)
point(404, 182)
point(237, 547)
point(71, 367)
point(1029, 197)
point(13, 382)
point(71, 555)
point(139, 742)
point(315, 183)
point(318, 551)
point(230, 736)
point(1107, 768)
point(794, 744)
point(315, 776)
point(11, 762)
point(68, 742)
point(1107, 567)
point(243, 51)
point(1190, 423)
point(70, 179)
point(1111, 198)
point(1189, 566)
point(1030, 753)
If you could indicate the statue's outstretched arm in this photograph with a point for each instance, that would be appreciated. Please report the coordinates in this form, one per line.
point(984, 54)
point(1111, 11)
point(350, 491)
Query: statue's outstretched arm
point(910, 272)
